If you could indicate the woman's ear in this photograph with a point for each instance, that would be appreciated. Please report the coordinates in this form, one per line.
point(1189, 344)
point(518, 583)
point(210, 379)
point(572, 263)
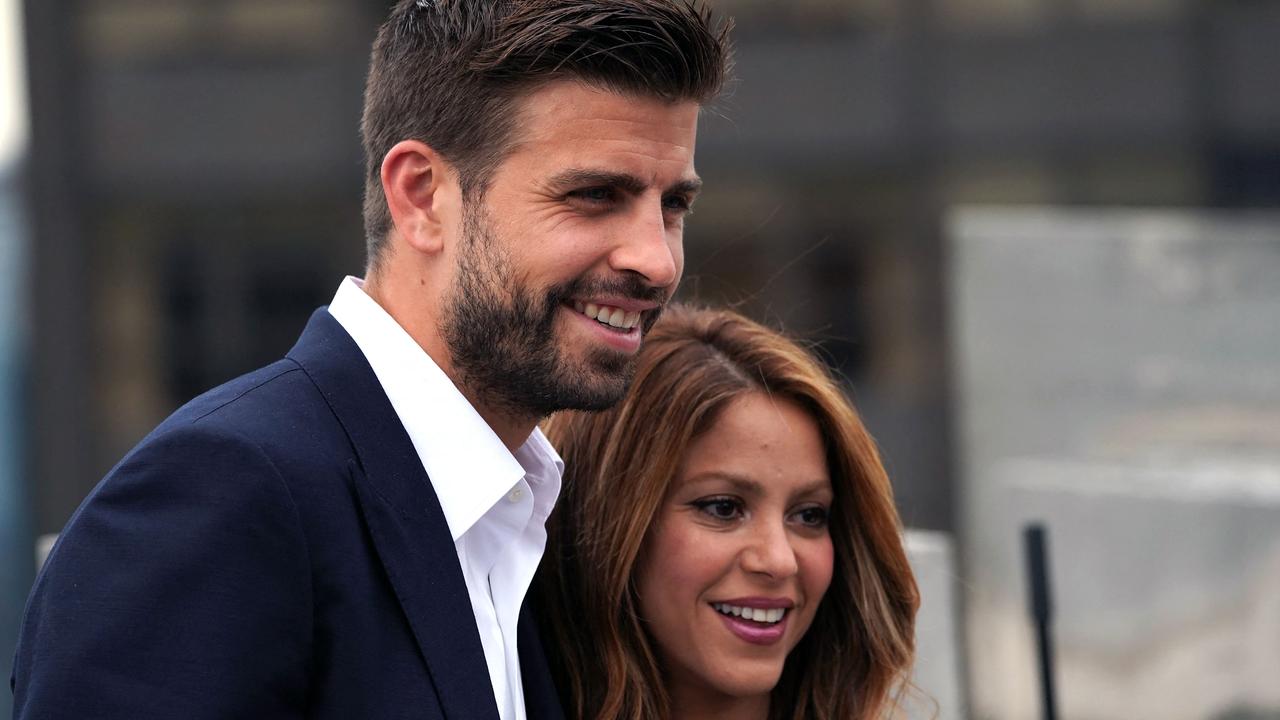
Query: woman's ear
point(418, 185)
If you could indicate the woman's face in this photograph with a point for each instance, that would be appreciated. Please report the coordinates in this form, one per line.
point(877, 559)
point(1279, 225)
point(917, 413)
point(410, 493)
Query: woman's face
point(739, 556)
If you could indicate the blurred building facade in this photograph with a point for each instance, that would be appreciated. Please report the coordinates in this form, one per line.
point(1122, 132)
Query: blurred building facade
point(195, 181)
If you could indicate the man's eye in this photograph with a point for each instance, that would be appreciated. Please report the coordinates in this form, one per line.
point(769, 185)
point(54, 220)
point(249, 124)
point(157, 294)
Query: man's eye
point(594, 194)
point(721, 508)
point(677, 203)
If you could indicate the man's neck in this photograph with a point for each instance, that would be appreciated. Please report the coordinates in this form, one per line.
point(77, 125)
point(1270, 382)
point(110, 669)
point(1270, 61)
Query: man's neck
point(513, 429)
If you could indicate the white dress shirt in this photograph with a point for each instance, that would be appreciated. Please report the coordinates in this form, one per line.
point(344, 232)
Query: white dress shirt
point(496, 503)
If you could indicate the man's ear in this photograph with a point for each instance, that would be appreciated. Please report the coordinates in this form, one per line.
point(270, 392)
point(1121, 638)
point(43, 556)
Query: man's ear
point(421, 194)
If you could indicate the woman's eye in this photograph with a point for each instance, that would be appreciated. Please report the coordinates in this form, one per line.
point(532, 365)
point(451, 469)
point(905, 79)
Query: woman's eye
point(815, 517)
point(720, 508)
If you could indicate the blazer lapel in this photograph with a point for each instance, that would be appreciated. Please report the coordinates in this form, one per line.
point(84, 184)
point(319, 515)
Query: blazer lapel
point(540, 697)
point(404, 517)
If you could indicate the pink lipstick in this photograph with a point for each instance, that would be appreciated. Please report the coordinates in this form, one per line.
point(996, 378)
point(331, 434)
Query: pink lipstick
point(749, 618)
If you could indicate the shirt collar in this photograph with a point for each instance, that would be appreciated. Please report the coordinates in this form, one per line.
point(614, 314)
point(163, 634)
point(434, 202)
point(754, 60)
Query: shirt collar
point(468, 465)
point(543, 469)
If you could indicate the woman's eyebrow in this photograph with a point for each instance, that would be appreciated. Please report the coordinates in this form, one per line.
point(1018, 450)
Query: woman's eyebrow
point(749, 486)
point(740, 483)
point(817, 487)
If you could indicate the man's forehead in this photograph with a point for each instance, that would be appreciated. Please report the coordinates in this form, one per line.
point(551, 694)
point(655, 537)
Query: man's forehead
point(570, 132)
point(561, 106)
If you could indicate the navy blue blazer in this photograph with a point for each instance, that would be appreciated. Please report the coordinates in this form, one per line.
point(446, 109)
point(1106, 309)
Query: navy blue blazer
point(272, 550)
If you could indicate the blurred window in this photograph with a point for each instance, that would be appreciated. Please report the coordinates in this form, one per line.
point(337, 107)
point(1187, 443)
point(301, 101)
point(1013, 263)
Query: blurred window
point(160, 30)
point(824, 16)
point(1032, 14)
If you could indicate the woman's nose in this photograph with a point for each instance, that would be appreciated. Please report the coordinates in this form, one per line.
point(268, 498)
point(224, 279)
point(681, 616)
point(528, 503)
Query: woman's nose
point(769, 552)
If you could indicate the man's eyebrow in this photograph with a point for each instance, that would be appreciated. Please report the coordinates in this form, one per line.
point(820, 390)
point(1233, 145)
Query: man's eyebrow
point(690, 186)
point(577, 177)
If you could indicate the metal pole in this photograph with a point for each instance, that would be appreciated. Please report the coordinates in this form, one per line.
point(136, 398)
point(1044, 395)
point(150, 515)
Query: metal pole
point(1035, 539)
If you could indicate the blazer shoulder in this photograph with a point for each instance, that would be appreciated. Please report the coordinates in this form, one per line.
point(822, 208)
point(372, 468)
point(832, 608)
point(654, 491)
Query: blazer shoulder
point(269, 431)
point(172, 572)
point(277, 407)
point(266, 386)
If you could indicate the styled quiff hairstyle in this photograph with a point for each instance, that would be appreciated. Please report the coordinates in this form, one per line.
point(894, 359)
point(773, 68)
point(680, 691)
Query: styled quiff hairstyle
point(451, 74)
point(853, 662)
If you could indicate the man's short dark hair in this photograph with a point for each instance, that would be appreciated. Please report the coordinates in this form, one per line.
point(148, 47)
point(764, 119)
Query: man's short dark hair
point(450, 72)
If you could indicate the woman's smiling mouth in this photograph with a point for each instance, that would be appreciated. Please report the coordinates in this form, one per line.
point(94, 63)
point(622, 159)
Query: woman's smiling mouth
point(758, 621)
point(768, 616)
point(753, 632)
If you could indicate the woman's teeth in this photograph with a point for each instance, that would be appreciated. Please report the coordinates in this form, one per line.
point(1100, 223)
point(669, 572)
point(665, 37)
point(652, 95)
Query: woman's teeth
point(762, 615)
point(605, 315)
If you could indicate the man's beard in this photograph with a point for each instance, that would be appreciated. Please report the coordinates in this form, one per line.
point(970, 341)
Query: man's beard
point(501, 333)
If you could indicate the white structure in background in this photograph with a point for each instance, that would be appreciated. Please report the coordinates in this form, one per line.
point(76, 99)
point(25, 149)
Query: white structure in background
point(937, 670)
point(13, 97)
point(44, 546)
point(1118, 378)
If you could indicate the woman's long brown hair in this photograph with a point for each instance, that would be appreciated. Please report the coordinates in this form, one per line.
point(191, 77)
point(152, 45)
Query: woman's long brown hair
point(853, 661)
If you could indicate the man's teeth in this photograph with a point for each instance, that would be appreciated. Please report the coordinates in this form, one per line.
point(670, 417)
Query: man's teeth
point(616, 317)
point(771, 615)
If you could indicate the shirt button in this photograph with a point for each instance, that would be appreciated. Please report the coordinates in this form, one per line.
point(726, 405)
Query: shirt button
point(515, 495)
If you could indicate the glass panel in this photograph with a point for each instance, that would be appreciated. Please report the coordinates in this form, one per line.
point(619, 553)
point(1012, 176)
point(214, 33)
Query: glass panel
point(1118, 379)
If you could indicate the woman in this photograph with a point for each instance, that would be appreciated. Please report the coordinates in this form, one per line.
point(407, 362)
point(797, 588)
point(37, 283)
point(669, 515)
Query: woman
point(726, 543)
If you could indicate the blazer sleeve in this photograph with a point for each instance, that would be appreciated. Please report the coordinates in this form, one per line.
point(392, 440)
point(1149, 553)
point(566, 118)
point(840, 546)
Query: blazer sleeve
point(179, 589)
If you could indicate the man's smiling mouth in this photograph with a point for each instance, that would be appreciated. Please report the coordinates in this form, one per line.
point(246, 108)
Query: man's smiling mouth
point(607, 315)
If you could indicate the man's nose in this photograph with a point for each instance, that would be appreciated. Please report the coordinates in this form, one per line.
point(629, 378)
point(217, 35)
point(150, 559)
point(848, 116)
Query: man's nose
point(770, 552)
point(646, 246)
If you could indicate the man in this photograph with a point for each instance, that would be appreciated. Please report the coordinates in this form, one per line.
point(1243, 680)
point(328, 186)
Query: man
point(350, 532)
